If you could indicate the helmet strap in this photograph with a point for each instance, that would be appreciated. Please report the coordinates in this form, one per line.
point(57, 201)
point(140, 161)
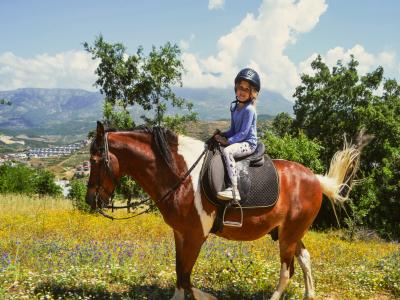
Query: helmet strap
point(235, 103)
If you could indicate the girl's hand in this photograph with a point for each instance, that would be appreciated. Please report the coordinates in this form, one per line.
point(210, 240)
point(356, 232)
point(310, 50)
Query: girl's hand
point(222, 140)
point(217, 131)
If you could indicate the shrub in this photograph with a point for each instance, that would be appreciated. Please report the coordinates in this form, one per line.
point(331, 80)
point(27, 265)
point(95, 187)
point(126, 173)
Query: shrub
point(45, 184)
point(77, 195)
point(299, 149)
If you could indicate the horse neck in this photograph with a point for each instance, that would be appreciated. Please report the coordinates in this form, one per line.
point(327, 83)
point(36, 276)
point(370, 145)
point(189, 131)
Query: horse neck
point(136, 158)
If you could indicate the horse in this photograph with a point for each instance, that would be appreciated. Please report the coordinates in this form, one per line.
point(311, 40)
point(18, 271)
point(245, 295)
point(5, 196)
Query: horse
point(167, 166)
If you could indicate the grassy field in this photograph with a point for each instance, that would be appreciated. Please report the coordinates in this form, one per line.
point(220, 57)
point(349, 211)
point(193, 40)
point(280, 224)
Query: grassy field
point(49, 251)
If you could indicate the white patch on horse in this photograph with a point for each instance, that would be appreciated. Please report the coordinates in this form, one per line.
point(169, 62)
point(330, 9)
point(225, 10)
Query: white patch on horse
point(283, 282)
point(199, 295)
point(305, 264)
point(179, 294)
point(191, 149)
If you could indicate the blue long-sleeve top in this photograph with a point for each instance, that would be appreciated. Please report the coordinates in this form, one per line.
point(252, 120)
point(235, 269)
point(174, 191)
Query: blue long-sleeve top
point(243, 126)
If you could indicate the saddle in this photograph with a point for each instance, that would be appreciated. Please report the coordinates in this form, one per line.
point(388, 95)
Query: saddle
point(258, 180)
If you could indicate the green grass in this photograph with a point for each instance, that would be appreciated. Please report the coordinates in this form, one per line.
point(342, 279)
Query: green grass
point(49, 251)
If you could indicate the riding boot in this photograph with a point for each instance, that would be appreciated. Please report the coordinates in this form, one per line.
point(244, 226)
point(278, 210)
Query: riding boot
point(227, 194)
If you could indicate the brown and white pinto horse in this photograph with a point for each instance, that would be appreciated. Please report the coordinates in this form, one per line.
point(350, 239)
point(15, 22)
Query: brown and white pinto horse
point(157, 159)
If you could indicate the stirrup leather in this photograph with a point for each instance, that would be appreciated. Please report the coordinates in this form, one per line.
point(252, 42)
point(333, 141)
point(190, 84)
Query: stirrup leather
point(229, 194)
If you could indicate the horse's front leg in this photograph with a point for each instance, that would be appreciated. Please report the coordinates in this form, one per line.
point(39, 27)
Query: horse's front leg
point(187, 249)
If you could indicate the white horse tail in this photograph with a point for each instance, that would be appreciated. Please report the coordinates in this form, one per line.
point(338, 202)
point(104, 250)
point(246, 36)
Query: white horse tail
point(337, 183)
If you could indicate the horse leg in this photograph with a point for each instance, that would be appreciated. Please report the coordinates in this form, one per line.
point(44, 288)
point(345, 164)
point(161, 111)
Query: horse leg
point(187, 249)
point(287, 252)
point(303, 257)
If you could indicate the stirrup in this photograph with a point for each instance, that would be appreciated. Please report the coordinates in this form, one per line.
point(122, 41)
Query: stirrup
point(233, 223)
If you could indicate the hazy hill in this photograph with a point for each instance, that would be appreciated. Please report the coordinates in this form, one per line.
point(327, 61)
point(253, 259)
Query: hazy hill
point(73, 112)
point(49, 110)
point(213, 104)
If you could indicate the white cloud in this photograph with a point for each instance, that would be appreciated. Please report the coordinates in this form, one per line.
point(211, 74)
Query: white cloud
point(259, 41)
point(71, 69)
point(367, 61)
point(215, 4)
point(185, 44)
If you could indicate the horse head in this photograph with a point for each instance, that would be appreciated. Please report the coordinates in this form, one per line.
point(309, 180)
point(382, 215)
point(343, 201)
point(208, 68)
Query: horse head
point(104, 172)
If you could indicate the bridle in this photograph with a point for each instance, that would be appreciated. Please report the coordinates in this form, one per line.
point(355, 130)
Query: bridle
point(105, 161)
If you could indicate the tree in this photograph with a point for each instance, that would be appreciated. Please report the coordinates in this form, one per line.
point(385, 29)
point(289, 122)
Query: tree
point(282, 124)
point(126, 80)
point(77, 195)
point(16, 178)
point(45, 184)
point(162, 70)
point(299, 149)
point(21, 179)
point(335, 103)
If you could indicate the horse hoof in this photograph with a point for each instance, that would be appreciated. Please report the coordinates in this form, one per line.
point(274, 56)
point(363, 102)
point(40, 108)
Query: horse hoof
point(199, 295)
point(309, 297)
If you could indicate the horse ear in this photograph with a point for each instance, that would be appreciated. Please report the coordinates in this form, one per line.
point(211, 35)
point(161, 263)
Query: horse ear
point(99, 133)
point(100, 129)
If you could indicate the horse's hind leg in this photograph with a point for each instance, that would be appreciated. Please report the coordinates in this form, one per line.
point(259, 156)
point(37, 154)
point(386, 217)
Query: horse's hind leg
point(187, 250)
point(303, 257)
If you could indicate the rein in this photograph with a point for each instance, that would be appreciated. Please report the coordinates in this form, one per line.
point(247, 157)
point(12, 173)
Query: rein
point(105, 159)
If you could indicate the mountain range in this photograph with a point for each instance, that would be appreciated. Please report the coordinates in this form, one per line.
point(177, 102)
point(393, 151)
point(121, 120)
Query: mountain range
point(38, 111)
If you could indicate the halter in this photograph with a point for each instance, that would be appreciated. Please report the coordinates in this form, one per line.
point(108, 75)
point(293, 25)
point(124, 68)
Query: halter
point(105, 159)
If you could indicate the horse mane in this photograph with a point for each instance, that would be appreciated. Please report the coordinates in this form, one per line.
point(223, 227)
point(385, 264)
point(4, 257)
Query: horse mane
point(162, 138)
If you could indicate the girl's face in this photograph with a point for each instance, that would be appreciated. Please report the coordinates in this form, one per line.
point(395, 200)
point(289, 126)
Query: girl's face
point(243, 91)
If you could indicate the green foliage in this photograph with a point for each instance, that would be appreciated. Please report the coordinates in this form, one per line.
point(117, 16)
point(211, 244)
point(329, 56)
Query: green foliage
point(77, 195)
point(299, 149)
point(17, 178)
point(163, 69)
point(45, 184)
point(147, 81)
point(282, 124)
point(116, 116)
point(21, 179)
point(338, 103)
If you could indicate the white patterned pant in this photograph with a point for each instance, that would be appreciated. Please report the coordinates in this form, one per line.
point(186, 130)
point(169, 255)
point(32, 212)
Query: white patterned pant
point(235, 151)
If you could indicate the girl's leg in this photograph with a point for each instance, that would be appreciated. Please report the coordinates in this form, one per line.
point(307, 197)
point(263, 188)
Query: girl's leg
point(230, 153)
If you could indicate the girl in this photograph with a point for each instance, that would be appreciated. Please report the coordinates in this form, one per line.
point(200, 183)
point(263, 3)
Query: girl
point(241, 138)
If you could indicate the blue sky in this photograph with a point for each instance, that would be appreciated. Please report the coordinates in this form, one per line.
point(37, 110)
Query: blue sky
point(41, 41)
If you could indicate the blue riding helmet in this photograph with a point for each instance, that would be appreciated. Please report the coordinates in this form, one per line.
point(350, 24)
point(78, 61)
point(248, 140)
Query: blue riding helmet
point(250, 76)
